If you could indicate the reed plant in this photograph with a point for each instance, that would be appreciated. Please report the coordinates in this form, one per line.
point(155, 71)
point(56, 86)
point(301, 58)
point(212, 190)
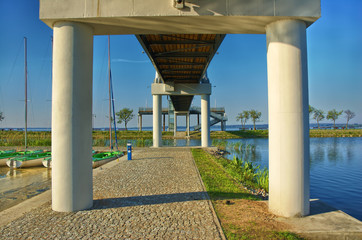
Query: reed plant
point(246, 169)
point(262, 179)
point(247, 172)
point(220, 143)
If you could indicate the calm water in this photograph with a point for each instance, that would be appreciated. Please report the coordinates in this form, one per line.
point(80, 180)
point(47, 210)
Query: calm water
point(335, 170)
point(20, 184)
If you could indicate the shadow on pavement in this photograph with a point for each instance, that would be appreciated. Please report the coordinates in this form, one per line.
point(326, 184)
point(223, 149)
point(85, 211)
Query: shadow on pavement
point(148, 200)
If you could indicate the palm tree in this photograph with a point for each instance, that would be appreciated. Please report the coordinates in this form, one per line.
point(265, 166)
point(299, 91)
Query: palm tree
point(240, 117)
point(255, 116)
point(349, 116)
point(246, 117)
point(243, 117)
point(333, 115)
point(318, 115)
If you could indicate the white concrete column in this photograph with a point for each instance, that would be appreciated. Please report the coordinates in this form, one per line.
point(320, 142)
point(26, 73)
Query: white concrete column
point(288, 118)
point(72, 180)
point(157, 123)
point(175, 124)
point(139, 122)
point(188, 124)
point(205, 120)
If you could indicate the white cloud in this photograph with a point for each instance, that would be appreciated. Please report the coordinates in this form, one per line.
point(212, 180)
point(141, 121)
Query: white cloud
point(129, 60)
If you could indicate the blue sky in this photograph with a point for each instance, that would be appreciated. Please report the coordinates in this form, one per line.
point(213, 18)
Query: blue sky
point(238, 72)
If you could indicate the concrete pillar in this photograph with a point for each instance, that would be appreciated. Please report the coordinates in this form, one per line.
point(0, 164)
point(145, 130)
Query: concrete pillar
point(157, 120)
point(175, 124)
point(164, 122)
point(205, 120)
point(188, 124)
point(140, 122)
point(288, 118)
point(72, 179)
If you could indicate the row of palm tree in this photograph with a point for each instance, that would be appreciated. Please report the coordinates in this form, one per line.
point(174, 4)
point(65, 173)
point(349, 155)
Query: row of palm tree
point(332, 115)
point(252, 114)
point(317, 114)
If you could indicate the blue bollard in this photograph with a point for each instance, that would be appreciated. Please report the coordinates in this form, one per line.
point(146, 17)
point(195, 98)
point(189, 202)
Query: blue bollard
point(129, 151)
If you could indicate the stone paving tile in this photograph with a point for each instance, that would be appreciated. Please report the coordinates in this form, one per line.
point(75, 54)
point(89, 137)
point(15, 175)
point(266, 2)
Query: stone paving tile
point(157, 195)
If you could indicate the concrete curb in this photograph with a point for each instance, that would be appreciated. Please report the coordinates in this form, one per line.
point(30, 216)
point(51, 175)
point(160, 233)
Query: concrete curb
point(20, 209)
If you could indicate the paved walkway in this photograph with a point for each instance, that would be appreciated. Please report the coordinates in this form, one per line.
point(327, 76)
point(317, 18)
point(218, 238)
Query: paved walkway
point(157, 195)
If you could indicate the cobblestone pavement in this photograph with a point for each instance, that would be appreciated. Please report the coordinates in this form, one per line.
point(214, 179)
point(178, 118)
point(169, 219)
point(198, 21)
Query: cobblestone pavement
point(157, 195)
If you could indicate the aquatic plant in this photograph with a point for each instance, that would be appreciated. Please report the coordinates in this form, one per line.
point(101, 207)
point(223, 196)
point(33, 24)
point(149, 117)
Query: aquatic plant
point(220, 143)
point(248, 173)
point(246, 169)
point(262, 179)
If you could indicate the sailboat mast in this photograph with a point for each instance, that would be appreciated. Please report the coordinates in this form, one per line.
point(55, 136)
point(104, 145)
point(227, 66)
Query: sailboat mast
point(110, 93)
point(114, 118)
point(26, 91)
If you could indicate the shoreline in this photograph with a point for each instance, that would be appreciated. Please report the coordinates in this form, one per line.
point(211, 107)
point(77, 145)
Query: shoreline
point(100, 138)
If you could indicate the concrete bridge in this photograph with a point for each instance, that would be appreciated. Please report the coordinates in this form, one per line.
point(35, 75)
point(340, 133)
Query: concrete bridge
point(180, 38)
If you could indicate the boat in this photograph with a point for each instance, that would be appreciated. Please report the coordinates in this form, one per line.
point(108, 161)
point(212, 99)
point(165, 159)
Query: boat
point(105, 157)
point(29, 160)
point(4, 157)
point(47, 162)
point(7, 151)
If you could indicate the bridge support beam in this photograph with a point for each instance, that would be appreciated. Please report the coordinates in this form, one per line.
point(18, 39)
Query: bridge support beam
point(205, 120)
point(140, 122)
point(157, 120)
point(188, 124)
point(175, 124)
point(72, 178)
point(288, 118)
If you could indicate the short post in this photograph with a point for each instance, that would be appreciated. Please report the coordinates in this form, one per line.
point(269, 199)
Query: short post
point(129, 151)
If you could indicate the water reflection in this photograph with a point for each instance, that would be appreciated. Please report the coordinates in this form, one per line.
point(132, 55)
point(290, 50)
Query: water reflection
point(317, 152)
point(334, 153)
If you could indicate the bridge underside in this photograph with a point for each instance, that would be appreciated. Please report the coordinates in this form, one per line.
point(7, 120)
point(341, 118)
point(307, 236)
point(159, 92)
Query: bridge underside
point(181, 58)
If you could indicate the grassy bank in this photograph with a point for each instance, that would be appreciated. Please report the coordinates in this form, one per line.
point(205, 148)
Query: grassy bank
point(313, 133)
point(241, 215)
point(100, 138)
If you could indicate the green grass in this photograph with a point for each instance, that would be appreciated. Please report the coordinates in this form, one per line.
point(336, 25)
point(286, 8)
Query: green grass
point(316, 133)
point(16, 138)
point(244, 172)
point(221, 185)
point(285, 235)
point(218, 184)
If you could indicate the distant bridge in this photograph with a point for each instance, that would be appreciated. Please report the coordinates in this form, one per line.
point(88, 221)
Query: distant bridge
point(218, 114)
